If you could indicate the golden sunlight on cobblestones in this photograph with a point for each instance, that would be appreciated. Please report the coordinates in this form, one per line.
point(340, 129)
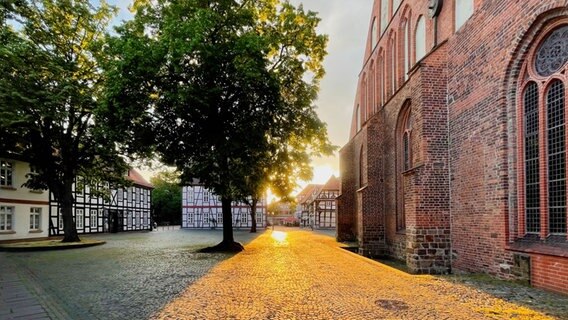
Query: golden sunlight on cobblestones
point(303, 275)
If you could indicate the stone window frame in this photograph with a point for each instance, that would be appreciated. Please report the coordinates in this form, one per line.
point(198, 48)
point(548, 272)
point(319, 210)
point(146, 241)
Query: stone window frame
point(528, 76)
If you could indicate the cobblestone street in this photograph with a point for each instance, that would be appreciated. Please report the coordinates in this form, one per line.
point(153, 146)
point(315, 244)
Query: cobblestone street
point(292, 274)
point(283, 274)
point(132, 276)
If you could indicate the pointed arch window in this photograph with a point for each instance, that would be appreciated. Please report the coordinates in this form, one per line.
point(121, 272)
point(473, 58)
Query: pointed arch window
point(407, 142)
point(542, 107)
point(404, 163)
point(393, 65)
point(374, 34)
point(420, 38)
point(371, 91)
point(406, 30)
point(362, 169)
point(358, 118)
point(384, 15)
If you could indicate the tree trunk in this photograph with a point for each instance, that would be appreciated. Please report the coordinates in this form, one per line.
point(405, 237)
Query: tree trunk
point(228, 244)
point(66, 200)
point(253, 215)
point(227, 221)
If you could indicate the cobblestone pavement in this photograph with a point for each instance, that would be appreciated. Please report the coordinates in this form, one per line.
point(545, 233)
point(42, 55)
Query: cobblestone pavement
point(306, 275)
point(132, 276)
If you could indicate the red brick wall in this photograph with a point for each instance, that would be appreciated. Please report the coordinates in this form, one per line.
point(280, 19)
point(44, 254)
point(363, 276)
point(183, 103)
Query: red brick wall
point(463, 192)
point(483, 130)
point(549, 272)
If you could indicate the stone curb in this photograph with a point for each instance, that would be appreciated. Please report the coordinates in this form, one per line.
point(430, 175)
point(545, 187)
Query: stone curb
point(50, 248)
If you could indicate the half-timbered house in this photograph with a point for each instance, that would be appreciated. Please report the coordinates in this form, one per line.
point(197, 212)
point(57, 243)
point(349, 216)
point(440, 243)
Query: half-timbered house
point(201, 209)
point(127, 209)
point(27, 213)
point(318, 208)
point(304, 199)
point(322, 208)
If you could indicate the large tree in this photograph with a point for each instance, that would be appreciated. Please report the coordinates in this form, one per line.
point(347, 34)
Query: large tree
point(52, 98)
point(296, 54)
point(227, 87)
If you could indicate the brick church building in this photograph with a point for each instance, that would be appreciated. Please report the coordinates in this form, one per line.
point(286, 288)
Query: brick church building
point(457, 150)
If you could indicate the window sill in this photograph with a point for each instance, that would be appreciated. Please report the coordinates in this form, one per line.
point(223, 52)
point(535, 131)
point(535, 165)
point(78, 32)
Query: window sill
point(557, 248)
point(7, 232)
point(7, 188)
point(36, 231)
point(36, 191)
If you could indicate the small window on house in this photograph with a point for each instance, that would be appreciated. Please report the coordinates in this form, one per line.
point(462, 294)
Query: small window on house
point(79, 218)
point(205, 196)
point(6, 218)
point(463, 11)
point(35, 219)
point(93, 221)
point(6, 173)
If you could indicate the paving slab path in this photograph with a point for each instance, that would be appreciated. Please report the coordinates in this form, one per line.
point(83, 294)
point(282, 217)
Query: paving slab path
point(295, 274)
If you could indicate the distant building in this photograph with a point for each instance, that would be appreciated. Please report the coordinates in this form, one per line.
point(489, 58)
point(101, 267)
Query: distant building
point(282, 213)
point(318, 204)
point(26, 213)
point(201, 209)
point(304, 199)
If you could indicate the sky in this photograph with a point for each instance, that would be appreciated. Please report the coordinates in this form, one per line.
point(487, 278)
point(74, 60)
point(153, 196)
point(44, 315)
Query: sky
point(346, 23)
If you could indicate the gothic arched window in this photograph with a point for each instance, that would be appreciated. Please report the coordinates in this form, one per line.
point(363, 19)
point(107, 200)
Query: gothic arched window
point(420, 39)
point(405, 158)
point(542, 98)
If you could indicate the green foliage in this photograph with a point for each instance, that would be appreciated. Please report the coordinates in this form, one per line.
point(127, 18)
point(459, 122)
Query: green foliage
point(230, 85)
point(166, 197)
point(53, 106)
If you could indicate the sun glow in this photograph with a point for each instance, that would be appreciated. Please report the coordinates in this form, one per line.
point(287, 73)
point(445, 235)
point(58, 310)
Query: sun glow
point(322, 173)
point(279, 236)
